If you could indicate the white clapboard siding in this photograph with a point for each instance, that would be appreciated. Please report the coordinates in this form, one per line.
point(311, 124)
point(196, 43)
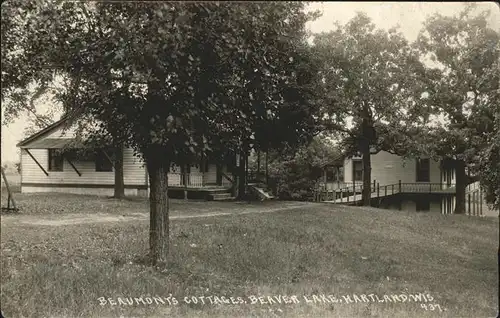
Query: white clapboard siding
point(134, 171)
point(348, 170)
point(388, 168)
point(85, 191)
point(211, 175)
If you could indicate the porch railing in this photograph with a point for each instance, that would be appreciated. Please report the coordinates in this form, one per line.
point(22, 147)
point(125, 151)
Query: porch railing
point(339, 185)
point(226, 180)
point(190, 180)
point(256, 176)
point(349, 192)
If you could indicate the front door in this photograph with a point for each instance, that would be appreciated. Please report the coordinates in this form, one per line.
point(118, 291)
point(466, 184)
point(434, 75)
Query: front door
point(357, 170)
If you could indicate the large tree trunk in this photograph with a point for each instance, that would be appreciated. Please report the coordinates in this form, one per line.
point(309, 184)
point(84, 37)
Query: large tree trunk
point(258, 163)
point(461, 184)
point(242, 174)
point(367, 138)
point(119, 189)
point(367, 174)
point(159, 209)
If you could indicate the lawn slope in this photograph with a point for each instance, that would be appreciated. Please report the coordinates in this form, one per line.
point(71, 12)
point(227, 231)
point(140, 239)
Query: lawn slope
point(324, 258)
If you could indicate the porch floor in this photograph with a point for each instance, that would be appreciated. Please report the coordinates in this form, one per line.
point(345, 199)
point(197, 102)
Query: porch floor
point(206, 188)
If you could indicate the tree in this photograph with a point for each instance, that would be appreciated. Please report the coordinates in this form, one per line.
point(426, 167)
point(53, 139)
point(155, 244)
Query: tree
point(488, 166)
point(462, 86)
point(55, 95)
point(25, 79)
point(296, 173)
point(294, 123)
point(369, 77)
point(173, 77)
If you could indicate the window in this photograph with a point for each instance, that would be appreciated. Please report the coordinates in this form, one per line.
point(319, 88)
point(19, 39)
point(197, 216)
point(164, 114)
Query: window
point(423, 170)
point(357, 170)
point(102, 162)
point(56, 160)
point(423, 205)
point(331, 174)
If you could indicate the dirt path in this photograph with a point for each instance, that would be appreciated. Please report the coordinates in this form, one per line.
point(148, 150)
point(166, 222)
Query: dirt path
point(75, 219)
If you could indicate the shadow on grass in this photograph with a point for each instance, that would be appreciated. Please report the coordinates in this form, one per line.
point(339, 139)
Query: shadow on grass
point(320, 249)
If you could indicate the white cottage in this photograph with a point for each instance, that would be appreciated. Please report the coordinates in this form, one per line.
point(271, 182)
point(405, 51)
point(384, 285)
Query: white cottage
point(415, 184)
point(45, 168)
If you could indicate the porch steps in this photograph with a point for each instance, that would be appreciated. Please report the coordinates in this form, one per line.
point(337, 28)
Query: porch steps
point(261, 191)
point(221, 196)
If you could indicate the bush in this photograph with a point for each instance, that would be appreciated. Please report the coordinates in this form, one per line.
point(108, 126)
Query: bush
point(294, 176)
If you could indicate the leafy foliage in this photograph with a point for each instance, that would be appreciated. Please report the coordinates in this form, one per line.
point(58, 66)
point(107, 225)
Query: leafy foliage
point(295, 176)
point(177, 80)
point(489, 166)
point(369, 77)
point(463, 87)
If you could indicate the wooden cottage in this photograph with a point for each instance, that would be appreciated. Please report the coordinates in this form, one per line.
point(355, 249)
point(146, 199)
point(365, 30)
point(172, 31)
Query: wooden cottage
point(49, 164)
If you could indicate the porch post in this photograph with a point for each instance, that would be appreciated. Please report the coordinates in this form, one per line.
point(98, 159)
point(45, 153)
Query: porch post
point(441, 176)
point(218, 168)
point(468, 203)
point(480, 202)
point(337, 173)
point(186, 180)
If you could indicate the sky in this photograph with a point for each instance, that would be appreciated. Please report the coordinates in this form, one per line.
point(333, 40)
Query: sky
point(409, 16)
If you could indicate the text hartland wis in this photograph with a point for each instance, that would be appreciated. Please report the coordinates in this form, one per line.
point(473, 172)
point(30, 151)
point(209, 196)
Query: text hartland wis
point(267, 299)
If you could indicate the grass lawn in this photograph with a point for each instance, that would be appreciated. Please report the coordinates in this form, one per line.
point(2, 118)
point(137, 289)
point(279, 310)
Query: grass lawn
point(327, 253)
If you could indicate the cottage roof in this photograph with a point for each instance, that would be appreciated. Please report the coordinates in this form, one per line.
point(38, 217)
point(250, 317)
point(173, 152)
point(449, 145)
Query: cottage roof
point(49, 143)
point(41, 133)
